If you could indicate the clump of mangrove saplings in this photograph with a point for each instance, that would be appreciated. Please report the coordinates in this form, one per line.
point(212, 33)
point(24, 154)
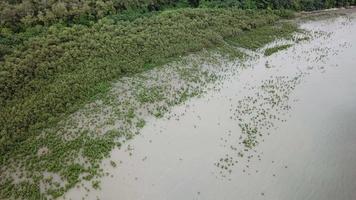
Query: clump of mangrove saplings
point(257, 38)
point(275, 49)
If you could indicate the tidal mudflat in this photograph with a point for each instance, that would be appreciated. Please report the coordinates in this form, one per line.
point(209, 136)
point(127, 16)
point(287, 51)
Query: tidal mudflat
point(282, 126)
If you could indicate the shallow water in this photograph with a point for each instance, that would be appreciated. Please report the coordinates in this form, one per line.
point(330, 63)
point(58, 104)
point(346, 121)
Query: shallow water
point(308, 152)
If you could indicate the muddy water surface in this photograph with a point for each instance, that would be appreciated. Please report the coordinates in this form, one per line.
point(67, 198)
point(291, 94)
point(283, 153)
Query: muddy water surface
point(283, 128)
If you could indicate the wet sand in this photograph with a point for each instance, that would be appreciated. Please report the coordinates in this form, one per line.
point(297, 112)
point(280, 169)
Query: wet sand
point(308, 153)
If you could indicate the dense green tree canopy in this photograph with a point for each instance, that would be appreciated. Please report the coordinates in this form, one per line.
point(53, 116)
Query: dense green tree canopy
point(23, 13)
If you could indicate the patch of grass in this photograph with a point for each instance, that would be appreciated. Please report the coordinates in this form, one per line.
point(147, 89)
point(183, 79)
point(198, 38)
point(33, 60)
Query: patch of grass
point(261, 36)
point(273, 50)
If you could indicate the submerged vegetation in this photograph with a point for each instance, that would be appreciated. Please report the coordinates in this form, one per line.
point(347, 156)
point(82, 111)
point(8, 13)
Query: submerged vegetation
point(267, 102)
point(58, 57)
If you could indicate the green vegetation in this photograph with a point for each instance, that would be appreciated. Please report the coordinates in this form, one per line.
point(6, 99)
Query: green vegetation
point(257, 114)
point(73, 149)
point(54, 161)
point(260, 36)
point(21, 14)
point(22, 19)
point(278, 4)
point(273, 50)
point(53, 74)
point(150, 95)
point(58, 56)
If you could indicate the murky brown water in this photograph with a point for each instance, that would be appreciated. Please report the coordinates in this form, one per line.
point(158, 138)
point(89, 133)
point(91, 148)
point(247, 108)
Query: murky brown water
point(309, 152)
